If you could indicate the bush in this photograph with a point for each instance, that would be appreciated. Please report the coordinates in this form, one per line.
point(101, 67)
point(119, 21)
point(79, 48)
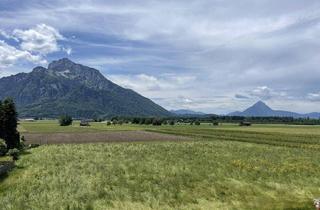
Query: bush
point(108, 123)
point(171, 122)
point(3, 148)
point(65, 120)
point(215, 123)
point(22, 143)
point(14, 153)
point(197, 122)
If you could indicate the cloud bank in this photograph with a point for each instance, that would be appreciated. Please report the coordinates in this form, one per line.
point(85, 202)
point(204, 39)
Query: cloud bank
point(208, 55)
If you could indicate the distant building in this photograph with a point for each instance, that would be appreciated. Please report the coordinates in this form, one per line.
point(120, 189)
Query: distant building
point(243, 123)
point(84, 123)
point(27, 120)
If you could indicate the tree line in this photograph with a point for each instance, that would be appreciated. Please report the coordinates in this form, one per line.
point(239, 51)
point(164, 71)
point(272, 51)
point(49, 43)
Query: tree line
point(216, 119)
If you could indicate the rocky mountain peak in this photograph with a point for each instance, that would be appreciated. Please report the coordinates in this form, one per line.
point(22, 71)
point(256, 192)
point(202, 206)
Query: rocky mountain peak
point(39, 69)
point(61, 65)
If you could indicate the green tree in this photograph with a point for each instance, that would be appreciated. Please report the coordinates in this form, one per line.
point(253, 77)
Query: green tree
point(65, 120)
point(9, 123)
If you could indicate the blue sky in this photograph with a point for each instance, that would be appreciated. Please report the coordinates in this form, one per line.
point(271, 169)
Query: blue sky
point(214, 56)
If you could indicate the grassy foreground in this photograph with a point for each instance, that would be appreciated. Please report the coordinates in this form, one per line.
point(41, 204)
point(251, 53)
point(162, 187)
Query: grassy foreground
point(223, 168)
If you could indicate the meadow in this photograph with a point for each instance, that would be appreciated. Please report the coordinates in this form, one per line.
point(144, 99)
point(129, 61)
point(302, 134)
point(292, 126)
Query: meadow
point(223, 167)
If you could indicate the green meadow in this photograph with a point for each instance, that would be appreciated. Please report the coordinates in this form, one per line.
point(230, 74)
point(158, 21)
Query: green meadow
point(223, 167)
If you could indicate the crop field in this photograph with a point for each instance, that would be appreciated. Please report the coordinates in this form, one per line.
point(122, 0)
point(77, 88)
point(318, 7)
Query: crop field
point(92, 137)
point(218, 167)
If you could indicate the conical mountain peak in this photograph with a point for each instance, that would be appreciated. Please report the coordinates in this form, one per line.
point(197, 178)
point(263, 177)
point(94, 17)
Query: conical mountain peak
point(261, 105)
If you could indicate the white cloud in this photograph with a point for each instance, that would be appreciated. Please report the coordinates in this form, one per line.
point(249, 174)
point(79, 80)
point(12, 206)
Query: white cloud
point(33, 45)
point(313, 96)
point(68, 50)
point(40, 39)
point(262, 92)
point(145, 83)
point(9, 55)
point(7, 36)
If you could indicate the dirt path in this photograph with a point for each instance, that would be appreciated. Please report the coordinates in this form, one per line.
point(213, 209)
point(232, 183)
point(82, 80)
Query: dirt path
point(115, 136)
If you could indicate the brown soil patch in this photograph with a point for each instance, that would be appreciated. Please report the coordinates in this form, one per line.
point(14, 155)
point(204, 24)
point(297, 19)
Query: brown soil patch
point(115, 136)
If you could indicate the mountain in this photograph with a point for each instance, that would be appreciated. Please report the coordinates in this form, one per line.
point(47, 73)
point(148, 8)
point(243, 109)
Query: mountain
point(186, 112)
point(69, 88)
point(260, 109)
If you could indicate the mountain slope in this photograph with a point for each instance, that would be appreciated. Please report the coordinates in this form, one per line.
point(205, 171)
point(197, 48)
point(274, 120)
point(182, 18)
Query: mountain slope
point(69, 88)
point(186, 112)
point(260, 109)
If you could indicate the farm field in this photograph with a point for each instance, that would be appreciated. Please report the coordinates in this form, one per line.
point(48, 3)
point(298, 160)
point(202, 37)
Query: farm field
point(224, 167)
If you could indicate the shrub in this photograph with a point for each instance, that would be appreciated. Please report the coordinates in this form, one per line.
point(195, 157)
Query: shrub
point(215, 123)
point(14, 153)
point(197, 122)
point(22, 143)
point(171, 122)
point(65, 120)
point(108, 123)
point(3, 148)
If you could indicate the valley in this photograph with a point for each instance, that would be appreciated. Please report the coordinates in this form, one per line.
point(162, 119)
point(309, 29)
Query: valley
point(223, 166)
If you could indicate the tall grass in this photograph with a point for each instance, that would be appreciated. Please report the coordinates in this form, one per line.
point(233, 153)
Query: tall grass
point(190, 175)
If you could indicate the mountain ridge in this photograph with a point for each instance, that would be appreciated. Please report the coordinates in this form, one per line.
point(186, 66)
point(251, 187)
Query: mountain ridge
point(66, 87)
point(260, 109)
point(186, 112)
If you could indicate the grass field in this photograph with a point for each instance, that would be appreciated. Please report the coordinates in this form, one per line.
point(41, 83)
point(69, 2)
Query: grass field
point(225, 167)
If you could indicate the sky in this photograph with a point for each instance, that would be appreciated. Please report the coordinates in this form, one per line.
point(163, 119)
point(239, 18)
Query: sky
point(214, 56)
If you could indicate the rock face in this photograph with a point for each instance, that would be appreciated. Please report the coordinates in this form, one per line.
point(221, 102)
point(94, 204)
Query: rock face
point(69, 88)
point(260, 109)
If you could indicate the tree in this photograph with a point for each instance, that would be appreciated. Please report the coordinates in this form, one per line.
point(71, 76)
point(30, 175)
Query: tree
point(197, 122)
point(1, 121)
point(65, 120)
point(156, 122)
point(171, 122)
point(9, 123)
